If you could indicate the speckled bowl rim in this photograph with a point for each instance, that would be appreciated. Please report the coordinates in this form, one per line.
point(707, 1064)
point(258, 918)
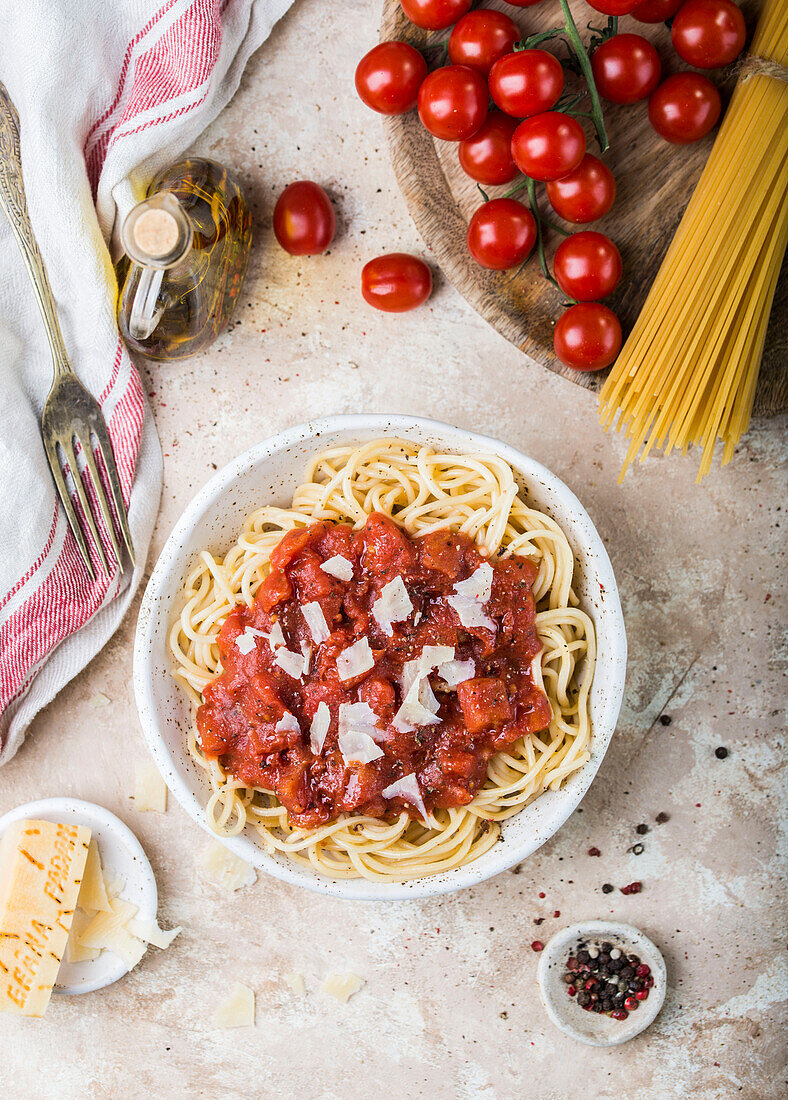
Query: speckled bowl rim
point(164, 587)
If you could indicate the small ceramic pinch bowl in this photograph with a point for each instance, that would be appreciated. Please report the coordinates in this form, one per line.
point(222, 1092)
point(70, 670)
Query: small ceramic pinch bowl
point(599, 1029)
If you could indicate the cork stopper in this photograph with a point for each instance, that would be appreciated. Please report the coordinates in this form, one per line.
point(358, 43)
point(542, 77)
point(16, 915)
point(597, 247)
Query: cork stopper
point(155, 233)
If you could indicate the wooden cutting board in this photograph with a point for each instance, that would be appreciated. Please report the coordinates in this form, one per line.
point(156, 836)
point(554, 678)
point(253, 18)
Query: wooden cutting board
point(654, 183)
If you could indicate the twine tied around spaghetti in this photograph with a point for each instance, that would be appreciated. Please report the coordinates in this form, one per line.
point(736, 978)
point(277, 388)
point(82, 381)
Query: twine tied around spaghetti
point(753, 65)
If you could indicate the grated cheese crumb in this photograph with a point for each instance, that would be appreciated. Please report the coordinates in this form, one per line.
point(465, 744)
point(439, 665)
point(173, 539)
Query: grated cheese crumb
point(295, 982)
point(223, 868)
point(150, 790)
point(237, 1008)
point(342, 986)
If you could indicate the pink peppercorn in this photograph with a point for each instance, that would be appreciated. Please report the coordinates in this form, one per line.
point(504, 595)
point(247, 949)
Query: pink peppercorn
point(537, 945)
point(643, 970)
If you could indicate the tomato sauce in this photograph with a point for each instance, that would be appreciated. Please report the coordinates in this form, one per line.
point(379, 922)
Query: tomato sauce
point(478, 717)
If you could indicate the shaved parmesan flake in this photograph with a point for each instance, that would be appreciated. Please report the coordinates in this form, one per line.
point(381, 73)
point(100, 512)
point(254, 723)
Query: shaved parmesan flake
point(432, 656)
point(75, 952)
point(276, 637)
point(413, 714)
point(114, 883)
point(316, 622)
point(417, 618)
point(245, 642)
point(358, 748)
point(355, 660)
point(338, 567)
point(471, 596)
point(393, 606)
point(93, 890)
point(456, 672)
point(342, 986)
point(150, 790)
point(407, 788)
point(360, 717)
point(149, 931)
point(99, 699)
point(99, 927)
point(427, 697)
point(237, 1008)
point(291, 663)
point(288, 723)
point(127, 947)
point(318, 731)
point(223, 868)
point(307, 651)
point(295, 982)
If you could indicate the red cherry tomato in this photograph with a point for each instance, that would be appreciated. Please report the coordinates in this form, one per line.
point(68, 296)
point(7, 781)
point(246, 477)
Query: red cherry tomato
point(487, 156)
point(587, 336)
point(587, 266)
point(684, 108)
point(480, 38)
point(585, 194)
point(708, 33)
point(613, 7)
point(453, 102)
point(526, 83)
point(434, 15)
point(626, 68)
point(304, 219)
point(396, 282)
point(501, 234)
point(389, 76)
point(655, 11)
point(548, 146)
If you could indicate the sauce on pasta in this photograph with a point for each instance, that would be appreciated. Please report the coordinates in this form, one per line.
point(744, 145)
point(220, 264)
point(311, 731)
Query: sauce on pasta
point(477, 697)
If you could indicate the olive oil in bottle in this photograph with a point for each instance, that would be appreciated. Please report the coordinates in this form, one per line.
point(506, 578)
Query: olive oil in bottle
point(187, 246)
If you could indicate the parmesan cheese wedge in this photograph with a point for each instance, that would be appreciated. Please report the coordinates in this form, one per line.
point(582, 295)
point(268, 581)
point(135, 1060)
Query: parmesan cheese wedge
point(41, 868)
point(237, 1009)
point(150, 790)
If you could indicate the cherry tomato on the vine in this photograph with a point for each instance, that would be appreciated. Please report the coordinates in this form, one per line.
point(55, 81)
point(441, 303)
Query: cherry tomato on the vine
point(548, 146)
point(526, 83)
point(434, 15)
point(626, 68)
point(501, 234)
point(480, 38)
point(708, 33)
point(587, 336)
point(453, 102)
point(388, 78)
point(613, 7)
point(487, 156)
point(655, 11)
point(396, 282)
point(585, 194)
point(684, 108)
point(587, 266)
point(304, 219)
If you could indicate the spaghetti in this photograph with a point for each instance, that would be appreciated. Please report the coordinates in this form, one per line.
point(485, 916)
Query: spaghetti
point(422, 491)
point(688, 371)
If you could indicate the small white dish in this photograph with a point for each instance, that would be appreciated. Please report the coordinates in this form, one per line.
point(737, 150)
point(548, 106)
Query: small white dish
point(598, 1029)
point(121, 855)
point(268, 474)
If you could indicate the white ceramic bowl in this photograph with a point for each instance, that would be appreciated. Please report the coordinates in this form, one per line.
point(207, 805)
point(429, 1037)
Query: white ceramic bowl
point(268, 474)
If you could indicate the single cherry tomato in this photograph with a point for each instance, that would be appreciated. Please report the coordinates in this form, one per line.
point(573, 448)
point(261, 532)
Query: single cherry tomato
point(587, 266)
point(587, 336)
point(526, 83)
point(480, 38)
point(453, 102)
point(626, 68)
point(396, 282)
point(389, 76)
point(501, 234)
point(708, 33)
point(613, 7)
point(684, 108)
point(585, 194)
point(655, 11)
point(304, 219)
point(487, 156)
point(434, 15)
point(548, 146)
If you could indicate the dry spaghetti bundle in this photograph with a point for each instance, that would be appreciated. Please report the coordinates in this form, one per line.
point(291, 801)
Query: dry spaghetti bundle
point(688, 372)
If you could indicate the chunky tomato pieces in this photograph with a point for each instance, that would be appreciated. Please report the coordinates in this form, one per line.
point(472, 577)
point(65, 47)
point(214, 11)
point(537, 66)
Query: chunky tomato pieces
point(243, 722)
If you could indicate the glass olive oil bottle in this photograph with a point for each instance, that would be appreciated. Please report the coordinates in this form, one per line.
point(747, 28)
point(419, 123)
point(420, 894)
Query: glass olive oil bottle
point(187, 247)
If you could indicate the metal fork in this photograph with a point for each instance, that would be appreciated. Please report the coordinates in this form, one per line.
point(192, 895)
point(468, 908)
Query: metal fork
point(71, 415)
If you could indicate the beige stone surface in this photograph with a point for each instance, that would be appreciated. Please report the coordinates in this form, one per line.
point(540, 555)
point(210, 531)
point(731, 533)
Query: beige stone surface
point(450, 1006)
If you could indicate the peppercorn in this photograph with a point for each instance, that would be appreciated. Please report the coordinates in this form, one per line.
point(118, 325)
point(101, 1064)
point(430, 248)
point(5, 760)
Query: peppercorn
point(620, 1014)
point(661, 818)
point(633, 960)
point(583, 957)
point(627, 974)
point(643, 970)
point(537, 945)
point(721, 753)
point(642, 994)
point(569, 979)
point(665, 719)
point(583, 998)
point(607, 888)
point(641, 830)
point(594, 852)
point(615, 965)
point(637, 849)
point(632, 888)
point(631, 1003)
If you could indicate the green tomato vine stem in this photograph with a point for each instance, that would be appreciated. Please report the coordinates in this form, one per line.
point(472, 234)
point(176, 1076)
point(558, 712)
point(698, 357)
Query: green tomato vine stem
point(579, 50)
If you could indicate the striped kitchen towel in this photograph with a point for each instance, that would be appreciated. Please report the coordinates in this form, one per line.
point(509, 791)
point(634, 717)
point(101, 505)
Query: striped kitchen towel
point(107, 93)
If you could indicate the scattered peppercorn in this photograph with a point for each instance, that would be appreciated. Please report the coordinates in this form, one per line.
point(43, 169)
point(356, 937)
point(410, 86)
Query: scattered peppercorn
point(538, 920)
point(661, 818)
point(665, 719)
point(641, 830)
point(638, 849)
point(603, 979)
point(537, 945)
point(557, 913)
point(633, 888)
point(594, 852)
point(607, 888)
point(721, 753)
